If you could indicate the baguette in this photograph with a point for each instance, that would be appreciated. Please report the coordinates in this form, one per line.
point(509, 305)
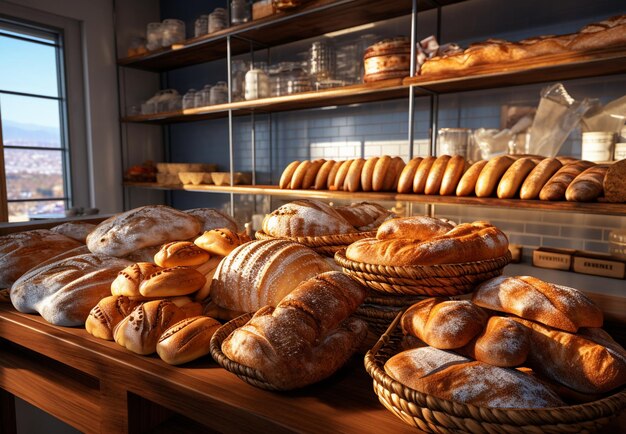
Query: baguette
point(381, 173)
point(311, 174)
point(299, 174)
point(421, 174)
point(514, 177)
point(367, 174)
point(330, 182)
point(391, 181)
point(467, 184)
point(587, 186)
point(352, 182)
point(504, 342)
point(321, 178)
point(557, 185)
point(435, 175)
point(405, 182)
point(342, 173)
point(285, 178)
point(490, 175)
point(452, 175)
point(538, 177)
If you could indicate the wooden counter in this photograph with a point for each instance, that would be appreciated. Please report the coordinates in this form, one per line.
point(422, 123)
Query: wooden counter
point(98, 386)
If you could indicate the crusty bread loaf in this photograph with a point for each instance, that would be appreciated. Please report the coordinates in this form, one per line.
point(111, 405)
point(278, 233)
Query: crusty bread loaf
point(538, 177)
point(587, 186)
point(139, 332)
point(531, 298)
point(615, 182)
point(456, 378)
point(418, 228)
point(261, 273)
point(145, 254)
point(391, 182)
point(146, 226)
point(513, 178)
point(444, 324)
point(208, 269)
point(340, 178)
point(503, 342)
point(285, 177)
point(607, 33)
point(128, 280)
point(467, 183)
point(364, 216)
point(172, 282)
point(305, 218)
point(299, 174)
point(65, 291)
point(311, 173)
point(452, 175)
point(588, 362)
point(322, 175)
point(421, 174)
point(21, 251)
point(557, 185)
point(180, 253)
point(465, 243)
point(405, 182)
point(367, 173)
point(219, 242)
point(187, 340)
point(107, 314)
point(353, 179)
point(307, 337)
point(332, 175)
point(435, 175)
point(491, 174)
point(75, 230)
point(382, 174)
point(211, 218)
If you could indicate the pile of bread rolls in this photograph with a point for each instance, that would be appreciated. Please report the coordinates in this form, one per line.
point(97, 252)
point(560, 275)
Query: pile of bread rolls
point(608, 33)
point(520, 342)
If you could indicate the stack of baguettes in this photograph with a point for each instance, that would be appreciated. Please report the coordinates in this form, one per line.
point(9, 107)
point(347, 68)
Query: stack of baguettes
point(519, 343)
point(608, 33)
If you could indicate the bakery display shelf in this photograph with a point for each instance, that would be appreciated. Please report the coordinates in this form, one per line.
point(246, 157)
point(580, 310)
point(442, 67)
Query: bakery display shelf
point(604, 208)
point(354, 94)
point(94, 385)
point(537, 70)
point(315, 18)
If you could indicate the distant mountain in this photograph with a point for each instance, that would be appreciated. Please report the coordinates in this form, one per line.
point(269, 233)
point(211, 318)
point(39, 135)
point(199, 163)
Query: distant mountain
point(36, 134)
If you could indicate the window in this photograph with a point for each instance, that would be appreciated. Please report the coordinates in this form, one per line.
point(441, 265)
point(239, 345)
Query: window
point(35, 170)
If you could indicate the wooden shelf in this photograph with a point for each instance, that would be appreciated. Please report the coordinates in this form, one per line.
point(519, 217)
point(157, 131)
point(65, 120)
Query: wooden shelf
point(616, 209)
point(315, 18)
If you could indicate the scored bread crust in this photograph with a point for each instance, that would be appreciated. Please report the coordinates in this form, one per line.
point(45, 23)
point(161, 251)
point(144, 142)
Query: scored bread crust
point(557, 185)
point(305, 218)
point(172, 282)
point(219, 242)
point(418, 228)
point(211, 218)
point(180, 253)
point(587, 186)
point(109, 311)
point(187, 340)
point(128, 280)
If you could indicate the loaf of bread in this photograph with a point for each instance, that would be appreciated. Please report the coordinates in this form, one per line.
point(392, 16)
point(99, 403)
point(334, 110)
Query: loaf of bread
point(172, 282)
point(421, 174)
point(211, 218)
point(454, 171)
point(151, 225)
point(405, 182)
point(208, 269)
point(435, 175)
point(353, 179)
point(180, 254)
point(305, 218)
point(537, 178)
point(322, 175)
point(367, 174)
point(307, 337)
point(311, 174)
point(107, 314)
point(298, 175)
point(285, 178)
point(187, 340)
point(465, 243)
point(145, 254)
point(219, 242)
point(557, 185)
point(588, 362)
point(491, 174)
point(444, 324)
point(127, 281)
point(607, 33)
point(21, 251)
point(447, 375)
point(418, 228)
point(382, 177)
point(386, 59)
point(340, 178)
point(364, 216)
point(547, 303)
point(262, 273)
point(587, 186)
point(513, 178)
point(64, 292)
point(75, 230)
point(332, 175)
point(615, 182)
point(467, 183)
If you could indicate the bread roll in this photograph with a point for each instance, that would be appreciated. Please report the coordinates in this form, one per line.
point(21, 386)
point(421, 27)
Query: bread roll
point(538, 177)
point(353, 179)
point(467, 183)
point(21, 251)
point(299, 174)
point(446, 375)
point(127, 281)
point(435, 176)
point(65, 291)
point(139, 332)
point(180, 253)
point(405, 182)
point(322, 175)
point(307, 337)
point(208, 269)
point(342, 173)
point(587, 186)
point(262, 273)
point(172, 282)
point(218, 242)
point(187, 340)
point(311, 174)
point(491, 174)
point(381, 173)
point(285, 178)
point(444, 324)
point(418, 228)
point(107, 314)
point(75, 230)
point(364, 216)
point(557, 185)
point(332, 175)
point(391, 180)
point(367, 173)
point(615, 182)
point(151, 225)
point(305, 218)
point(421, 174)
point(588, 362)
point(452, 175)
point(212, 219)
point(514, 177)
point(531, 298)
point(504, 342)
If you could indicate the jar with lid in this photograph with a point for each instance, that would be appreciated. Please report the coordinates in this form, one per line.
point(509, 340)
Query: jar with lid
point(189, 100)
point(154, 36)
point(201, 26)
point(294, 78)
point(283, 5)
point(173, 32)
point(219, 93)
point(240, 11)
point(322, 61)
point(238, 79)
point(202, 97)
point(274, 77)
point(217, 20)
point(257, 84)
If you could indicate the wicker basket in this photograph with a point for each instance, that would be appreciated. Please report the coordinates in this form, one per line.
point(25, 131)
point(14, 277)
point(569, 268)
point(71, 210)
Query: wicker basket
point(325, 245)
point(444, 280)
point(432, 414)
point(379, 310)
point(247, 374)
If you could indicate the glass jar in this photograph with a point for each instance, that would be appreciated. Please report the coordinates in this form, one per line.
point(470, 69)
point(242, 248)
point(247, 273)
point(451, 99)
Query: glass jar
point(173, 32)
point(274, 78)
point(257, 84)
point(295, 79)
point(453, 141)
point(238, 79)
point(189, 100)
point(240, 11)
point(201, 26)
point(217, 20)
point(219, 93)
point(154, 36)
point(282, 5)
point(322, 61)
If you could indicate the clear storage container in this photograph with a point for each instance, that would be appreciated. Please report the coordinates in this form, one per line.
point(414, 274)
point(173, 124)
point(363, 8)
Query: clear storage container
point(217, 20)
point(257, 84)
point(173, 32)
point(189, 100)
point(238, 79)
point(201, 26)
point(240, 11)
point(154, 36)
point(219, 93)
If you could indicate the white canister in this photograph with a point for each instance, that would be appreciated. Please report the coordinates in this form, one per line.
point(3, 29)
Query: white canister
point(598, 146)
point(620, 151)
point(257, 84)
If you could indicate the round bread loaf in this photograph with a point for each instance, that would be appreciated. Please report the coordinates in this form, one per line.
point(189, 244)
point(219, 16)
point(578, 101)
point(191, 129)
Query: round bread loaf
point(218, 242)
point(75, 230)
point(305, 218)
point(405, 182)
point(285, 178)
point(64, 292)
point(172, 282)
point(128, 280)
point(321, 178)
point(181, 253)
point(261, 273)
point(421, 174)
point(187, 340)
point(146, 226)
point(504, 342)
point(211, 218)
point(367, 173)
point(418, 228)
point(107, 314)
point(467, 183)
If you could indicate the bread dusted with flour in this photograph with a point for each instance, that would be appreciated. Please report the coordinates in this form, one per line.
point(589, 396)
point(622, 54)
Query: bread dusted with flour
point(364, 216)
point(75, 230)
point(307, 337)
point(262, 273)
point(211, 219)
point(305, 218)
point(417, 228)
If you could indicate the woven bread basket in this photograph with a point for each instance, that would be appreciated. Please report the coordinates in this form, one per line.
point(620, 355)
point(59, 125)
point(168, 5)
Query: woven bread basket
point(443, 280)
point(325, 245)
point(432, 414)
point(379, 310)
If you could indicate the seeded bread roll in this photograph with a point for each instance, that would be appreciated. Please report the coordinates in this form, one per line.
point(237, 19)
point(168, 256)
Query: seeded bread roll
point(452, 175)
point(538, 177)
point(321, 178)
point(557, 185)
point(587, 186)
point(180, 253)
point(467, 183)
point(285, 178)
point(75, 230)
point(405, 182)
point(421, 174)
point(107, 314)
point(514, 177)
point(435, 175)
point(219, 242)
point(503, 342)
point(187, 340)
point(367, 174)
point(491, 174)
